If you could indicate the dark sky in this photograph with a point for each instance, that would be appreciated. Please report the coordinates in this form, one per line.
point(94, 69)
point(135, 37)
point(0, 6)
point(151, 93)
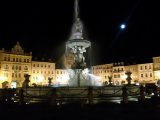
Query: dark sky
point(44, 27)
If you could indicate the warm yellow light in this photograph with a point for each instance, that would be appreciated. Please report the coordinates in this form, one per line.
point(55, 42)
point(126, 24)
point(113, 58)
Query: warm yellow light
point(3, 77)
point(40, 79)
point(123, 77)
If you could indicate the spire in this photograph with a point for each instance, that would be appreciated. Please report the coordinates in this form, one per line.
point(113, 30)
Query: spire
point(77, 28)
point(76, 9)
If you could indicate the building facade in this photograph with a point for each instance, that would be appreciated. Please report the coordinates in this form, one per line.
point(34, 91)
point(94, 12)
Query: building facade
point(15, 64)
point(42, 72)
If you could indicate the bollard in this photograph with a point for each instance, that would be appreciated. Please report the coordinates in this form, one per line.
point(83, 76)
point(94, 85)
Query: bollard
point(90, 95)
point(54, 97)
point(21, 96)
point(125, 95)
point(155, 91)
point(142, 95)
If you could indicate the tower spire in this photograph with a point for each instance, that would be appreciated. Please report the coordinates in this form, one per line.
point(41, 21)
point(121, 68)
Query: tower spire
point(76, 9)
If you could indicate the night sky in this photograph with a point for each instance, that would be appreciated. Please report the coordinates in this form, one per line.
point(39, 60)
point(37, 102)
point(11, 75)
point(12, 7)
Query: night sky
point(44, 27)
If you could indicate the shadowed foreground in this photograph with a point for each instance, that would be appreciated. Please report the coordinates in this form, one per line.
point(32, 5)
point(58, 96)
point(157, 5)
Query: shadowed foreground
point(75, 111)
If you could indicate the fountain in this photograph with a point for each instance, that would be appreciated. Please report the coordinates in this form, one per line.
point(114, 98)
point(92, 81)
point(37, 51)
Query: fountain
point(77, 45)
point(81, 85)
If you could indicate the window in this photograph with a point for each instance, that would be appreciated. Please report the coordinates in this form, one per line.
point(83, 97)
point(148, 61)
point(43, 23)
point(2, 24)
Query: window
point(118, 75)
point(16, 75)
point(6, 67)
point(16, 59)
point(48, 72)
point(33, 71)
point(57, 72)
point(33, 65)
point(24, 60)
point(28, 60)
point(8, 58)
point(146, 75)
point(5, 58)
point(150, 67)
point(13, 67)
point(13, 59)
point(49, 66)
point(145, 67)
point(16, 67)
point(150, 74)
point(141, 75)
point(19, 74)
point(141, 68)
point(19, 67)
point(37, 71)
point(41, 65)
point(25, 68)
point(20, 60)
point(12, 74)
point(37, 65)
